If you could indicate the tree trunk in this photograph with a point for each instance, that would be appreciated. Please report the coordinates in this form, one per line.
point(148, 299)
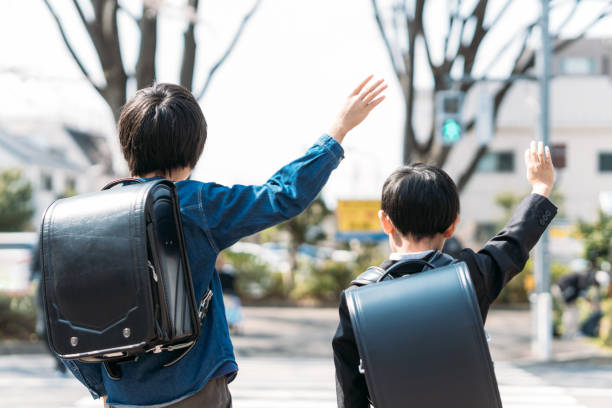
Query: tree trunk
point(189, 50)
point(145, 67)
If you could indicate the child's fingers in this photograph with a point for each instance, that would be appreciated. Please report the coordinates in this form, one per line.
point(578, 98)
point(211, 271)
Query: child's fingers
point(548, 155)
point(375, 85)
point(541, 151)
point(361, 85)
point(375, 102)
point(374, 94)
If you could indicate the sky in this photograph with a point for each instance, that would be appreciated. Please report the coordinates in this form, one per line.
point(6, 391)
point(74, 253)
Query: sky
point(277, 93)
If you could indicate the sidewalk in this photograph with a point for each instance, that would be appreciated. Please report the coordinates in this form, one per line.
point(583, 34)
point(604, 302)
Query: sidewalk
point(510, 331)
point(307, 332)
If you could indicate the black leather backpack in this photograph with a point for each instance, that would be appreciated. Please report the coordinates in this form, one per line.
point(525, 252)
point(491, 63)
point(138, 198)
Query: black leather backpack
point(420, 336)
point(115, 274)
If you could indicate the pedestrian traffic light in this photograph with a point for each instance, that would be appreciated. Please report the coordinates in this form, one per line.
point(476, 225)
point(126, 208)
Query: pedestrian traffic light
point(451, 131)
point(449, 126)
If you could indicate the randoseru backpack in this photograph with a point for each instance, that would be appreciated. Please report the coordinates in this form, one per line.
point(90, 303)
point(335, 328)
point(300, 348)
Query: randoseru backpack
point(420, 336)
point(115, 275)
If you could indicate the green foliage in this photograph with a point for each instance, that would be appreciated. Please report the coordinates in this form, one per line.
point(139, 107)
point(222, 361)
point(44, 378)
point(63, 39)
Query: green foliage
point(15, 201)
point(369, 255)
point(17, 316)
point(303, 228)
point(324, 283)
point(605, 328)
point(509, 200)
point(597, 236)
point(517, 290)
point(254, 279)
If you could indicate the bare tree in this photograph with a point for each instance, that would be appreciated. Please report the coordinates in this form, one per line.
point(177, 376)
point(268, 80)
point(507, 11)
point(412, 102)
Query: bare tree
point(401, 24)
point(103, 30)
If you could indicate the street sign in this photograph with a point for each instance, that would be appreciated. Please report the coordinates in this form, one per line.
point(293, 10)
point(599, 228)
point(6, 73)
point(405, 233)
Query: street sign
point(449, 105)
point(359, 219)
point(558, 153)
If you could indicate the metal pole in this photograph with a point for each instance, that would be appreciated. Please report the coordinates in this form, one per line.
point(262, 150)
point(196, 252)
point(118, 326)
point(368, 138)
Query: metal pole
point(542, 304)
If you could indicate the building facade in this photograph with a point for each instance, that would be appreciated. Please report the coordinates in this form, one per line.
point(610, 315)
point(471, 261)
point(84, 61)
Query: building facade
point(56, 160)
point(581, 126)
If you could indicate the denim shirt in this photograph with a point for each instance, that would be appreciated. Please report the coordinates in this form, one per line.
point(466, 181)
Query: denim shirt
point(214, 217)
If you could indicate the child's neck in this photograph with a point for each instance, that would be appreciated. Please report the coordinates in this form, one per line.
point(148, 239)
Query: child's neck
point(405, 245)
point(175, 175)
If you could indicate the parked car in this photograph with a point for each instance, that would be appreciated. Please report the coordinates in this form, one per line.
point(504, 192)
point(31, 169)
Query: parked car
point(16, 250)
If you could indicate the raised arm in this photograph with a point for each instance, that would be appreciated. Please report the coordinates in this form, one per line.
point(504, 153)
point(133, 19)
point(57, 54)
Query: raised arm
point(505, 255)
point(239, 211)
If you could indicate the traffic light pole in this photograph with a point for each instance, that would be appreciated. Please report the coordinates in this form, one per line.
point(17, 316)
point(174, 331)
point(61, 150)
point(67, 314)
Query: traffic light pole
point(541, 304)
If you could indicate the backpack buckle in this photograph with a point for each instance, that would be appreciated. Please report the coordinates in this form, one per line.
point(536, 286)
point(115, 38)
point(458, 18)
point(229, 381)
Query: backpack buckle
point(204, 304)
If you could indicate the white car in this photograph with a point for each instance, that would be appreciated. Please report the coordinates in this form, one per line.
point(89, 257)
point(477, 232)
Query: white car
point(16, 251)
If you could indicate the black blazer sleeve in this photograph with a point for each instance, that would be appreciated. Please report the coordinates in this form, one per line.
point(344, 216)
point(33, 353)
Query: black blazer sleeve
point(351, 388)
point(505, 255)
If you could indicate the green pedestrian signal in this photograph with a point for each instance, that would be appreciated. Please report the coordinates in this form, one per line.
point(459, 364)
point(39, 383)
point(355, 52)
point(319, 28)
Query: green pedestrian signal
point(451, 132)
point(449, 106)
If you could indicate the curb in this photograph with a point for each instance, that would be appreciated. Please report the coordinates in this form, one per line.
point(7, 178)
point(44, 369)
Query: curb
point(8, 347)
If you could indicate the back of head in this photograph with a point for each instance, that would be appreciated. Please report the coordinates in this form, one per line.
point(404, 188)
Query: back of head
point(161, 128)
point(420, 200)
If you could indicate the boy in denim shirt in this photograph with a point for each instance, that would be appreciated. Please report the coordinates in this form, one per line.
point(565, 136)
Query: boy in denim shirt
point(162, 132)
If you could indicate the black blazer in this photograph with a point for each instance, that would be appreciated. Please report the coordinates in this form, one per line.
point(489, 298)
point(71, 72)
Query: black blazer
point(491, 268)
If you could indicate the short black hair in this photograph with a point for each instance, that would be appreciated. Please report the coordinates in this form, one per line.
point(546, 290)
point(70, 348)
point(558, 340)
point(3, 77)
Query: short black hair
point(161, 128)
point(420, 200)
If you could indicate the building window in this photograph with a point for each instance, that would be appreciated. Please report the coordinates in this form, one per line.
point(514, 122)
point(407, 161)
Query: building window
point(46, 182)
point(605, 162)
point(577, 66)
point(497, 162)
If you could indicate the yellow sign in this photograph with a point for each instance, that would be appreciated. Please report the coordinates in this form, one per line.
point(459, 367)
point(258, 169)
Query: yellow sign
point(358, 215)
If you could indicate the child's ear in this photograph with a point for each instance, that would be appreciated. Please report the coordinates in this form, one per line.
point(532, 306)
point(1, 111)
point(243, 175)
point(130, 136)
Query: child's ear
point(451, 229)
point(386, 223)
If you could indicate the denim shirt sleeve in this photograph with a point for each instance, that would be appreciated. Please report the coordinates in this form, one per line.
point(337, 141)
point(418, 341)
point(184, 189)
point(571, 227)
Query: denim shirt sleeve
point(239, 211)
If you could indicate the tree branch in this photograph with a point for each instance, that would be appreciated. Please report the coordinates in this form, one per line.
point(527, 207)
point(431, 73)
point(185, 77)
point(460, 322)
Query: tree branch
point(383, 34)
point(568, 18)
point(501, 13)
point(434, 68)
point(71, 50)
point(469, 52)
point(93, 28)
point(145, 66)
point(502, 92)
point(189, 49)
point(526, 32)
point(129, 14)
point(229, 49)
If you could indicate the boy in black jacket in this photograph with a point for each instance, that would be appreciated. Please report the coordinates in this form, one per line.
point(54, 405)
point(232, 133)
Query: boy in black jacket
point(420, 210)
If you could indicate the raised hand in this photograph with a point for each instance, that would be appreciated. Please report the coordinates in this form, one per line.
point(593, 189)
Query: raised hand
point(357, 106)
point(540, 170)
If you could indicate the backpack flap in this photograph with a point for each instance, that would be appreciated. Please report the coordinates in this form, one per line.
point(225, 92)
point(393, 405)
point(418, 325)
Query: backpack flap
point(421, 341)
point(96, 275)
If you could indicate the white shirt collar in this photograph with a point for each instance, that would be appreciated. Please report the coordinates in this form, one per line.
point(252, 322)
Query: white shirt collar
point(398, 256)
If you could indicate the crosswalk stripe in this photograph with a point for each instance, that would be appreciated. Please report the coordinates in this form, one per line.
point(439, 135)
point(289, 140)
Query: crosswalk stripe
point(271, 383)
point(520, 389)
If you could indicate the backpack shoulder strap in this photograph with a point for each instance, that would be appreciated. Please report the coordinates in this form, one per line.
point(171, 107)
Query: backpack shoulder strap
point(376, 273)
point(371, 275)
point(440, 259)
